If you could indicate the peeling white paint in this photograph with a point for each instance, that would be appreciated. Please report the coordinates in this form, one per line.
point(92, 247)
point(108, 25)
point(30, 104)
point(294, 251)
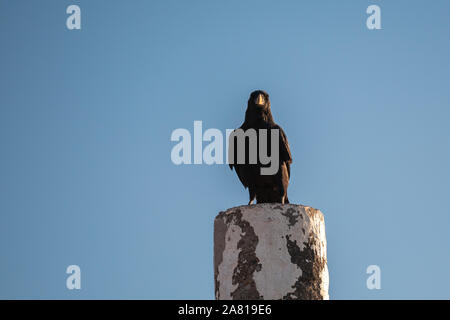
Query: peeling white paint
point(271, 230)
point(278, 274)
point(229, 262)
point(318, 229)
point(325, 283)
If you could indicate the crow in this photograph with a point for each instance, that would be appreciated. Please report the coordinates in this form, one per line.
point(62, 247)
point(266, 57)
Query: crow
point(265, 188)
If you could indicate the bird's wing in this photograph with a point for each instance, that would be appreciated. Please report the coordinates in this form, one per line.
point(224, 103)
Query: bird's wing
point(285, 151)
point(240, 169)
point(241, 173)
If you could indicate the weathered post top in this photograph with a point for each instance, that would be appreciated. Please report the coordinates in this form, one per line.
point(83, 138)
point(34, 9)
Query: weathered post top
point(270, 251)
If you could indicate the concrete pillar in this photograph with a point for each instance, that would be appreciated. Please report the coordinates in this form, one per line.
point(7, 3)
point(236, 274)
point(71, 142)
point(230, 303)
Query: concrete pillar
point(270, 251)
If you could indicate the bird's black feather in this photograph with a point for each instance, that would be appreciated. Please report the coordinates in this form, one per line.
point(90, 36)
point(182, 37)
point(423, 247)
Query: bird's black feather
point(265, 188)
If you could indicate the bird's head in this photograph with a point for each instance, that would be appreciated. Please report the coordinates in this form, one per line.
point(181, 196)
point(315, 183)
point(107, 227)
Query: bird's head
point(258, 107)
point(259, 99)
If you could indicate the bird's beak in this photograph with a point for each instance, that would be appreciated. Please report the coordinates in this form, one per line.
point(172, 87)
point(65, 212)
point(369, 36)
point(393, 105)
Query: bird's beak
point(260, 101)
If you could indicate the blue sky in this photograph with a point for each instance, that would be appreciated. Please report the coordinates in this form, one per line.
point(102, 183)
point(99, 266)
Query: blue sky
point(86, 118)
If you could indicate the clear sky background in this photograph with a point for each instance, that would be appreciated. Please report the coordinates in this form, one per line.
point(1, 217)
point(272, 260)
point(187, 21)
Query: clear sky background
point(86, 117)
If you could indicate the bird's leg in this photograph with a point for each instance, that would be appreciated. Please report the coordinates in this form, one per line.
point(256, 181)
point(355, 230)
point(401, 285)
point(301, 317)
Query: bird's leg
point(252, 195)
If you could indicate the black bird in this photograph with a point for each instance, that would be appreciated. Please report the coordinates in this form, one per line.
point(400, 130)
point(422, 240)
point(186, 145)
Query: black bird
point(265, 188)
